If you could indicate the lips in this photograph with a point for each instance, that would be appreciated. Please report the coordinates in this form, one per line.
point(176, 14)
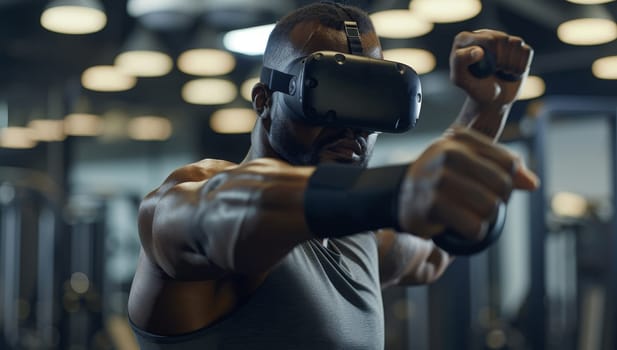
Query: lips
point(357, 146)
point(345, 150)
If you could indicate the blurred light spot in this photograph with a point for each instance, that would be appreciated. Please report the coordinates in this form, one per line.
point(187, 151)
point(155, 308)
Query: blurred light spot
point(206, 62)
point(422, 61)
point(47, 129)
point(149, 128)
point(605, 67)
point(496, 339)
point(17, 137)
point(82, 124)
point(445, 11)
point(107, 78)
point(532, 87)
point(569, 205)
point(400, 24)
point(247, 88)
point(233, 120)
point(142, 63)
point(209, 91)
point(590, 2)
point(587, 31)
point(73, 19)
point(248, 41)
point(79, 282)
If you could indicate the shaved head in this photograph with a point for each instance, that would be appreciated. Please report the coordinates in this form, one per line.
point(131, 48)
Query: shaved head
point(278, 133)
point(281, 49)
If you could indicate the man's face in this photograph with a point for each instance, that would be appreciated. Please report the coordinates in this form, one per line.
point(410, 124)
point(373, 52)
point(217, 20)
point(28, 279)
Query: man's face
point(303, 144)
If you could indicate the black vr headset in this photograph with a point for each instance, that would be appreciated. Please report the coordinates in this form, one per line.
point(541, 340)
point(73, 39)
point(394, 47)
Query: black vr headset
point(330, 88)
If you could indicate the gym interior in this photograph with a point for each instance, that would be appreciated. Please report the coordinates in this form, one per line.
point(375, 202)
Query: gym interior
point(97, 109)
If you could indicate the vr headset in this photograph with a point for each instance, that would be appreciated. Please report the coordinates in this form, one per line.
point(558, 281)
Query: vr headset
point(328, 88)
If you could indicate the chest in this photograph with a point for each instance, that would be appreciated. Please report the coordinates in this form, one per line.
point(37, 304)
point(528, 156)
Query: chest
point(320, 297)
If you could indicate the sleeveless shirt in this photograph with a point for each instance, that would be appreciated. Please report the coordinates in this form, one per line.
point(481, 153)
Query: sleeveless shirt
point(314, 298)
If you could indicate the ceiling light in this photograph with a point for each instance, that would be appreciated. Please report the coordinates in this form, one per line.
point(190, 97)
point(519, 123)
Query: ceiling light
point(532, 87)
point(47, 130)
point(233, 120)
point(144, 63)
point(82, 124)
point(248, 41)
point(422, 61)
point(149, 128)
point(445, 11)
point(17, 138)
point(107, 78)
point(587, 31)
point(400, 24)
point(605, 67)
point(74, 16)
point(246, 89)
point(206, 62)
point(143, 56)
point(590, 2)
point(209, 91)
point(569, 204)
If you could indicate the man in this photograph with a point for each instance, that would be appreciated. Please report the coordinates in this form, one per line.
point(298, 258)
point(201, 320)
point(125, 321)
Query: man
point(229, 259)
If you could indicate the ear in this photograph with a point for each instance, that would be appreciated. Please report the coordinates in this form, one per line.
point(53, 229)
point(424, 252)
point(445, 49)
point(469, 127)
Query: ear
point(262, 100)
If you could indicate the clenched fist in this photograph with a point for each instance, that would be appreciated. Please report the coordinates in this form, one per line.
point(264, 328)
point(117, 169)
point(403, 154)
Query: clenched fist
point(512, 57)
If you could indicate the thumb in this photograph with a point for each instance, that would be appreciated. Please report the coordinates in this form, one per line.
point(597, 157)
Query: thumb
point(525, 179)
point(467, 56)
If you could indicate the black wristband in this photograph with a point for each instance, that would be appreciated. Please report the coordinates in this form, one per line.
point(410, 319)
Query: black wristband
point(342, 199)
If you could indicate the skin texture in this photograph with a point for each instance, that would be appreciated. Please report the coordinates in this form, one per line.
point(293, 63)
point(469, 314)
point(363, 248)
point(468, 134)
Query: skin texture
point(213, 230)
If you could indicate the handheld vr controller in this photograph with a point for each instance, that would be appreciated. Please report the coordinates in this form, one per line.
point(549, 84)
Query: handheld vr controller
point(487, 66)
point(454, 244)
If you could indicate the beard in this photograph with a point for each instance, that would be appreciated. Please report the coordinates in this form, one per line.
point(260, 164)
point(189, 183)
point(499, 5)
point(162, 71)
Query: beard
point(303, 144)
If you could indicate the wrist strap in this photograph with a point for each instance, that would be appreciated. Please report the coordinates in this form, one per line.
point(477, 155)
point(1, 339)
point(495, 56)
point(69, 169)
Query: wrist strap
point(342, 199)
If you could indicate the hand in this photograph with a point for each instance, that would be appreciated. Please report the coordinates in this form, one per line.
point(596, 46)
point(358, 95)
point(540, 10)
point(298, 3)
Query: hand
point(512, 55)
point(458, 183)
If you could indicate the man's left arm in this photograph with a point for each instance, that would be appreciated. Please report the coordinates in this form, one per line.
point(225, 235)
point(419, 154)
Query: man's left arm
point(489, 99)
point(410, 260)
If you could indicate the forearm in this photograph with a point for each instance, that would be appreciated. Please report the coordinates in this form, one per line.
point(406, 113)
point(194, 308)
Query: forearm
point(487, 119)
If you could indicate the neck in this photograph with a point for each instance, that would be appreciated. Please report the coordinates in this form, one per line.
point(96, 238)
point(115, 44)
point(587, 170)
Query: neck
point(260, 146)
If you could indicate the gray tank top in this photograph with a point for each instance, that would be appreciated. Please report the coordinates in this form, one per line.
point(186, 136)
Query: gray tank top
point(315, 298)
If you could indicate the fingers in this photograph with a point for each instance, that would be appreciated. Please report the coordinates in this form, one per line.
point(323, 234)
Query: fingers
point(466, 222)
point(475, 172)
point(468, 56)
point(522, 178)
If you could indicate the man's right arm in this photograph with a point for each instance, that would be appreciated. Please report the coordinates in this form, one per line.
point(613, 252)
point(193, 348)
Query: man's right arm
point(208, 219)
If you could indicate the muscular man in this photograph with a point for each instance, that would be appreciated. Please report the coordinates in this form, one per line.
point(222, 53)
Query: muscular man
point(229, 260)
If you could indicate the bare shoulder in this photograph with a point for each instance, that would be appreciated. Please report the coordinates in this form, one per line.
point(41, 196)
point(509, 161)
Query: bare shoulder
point(208, 168)
point(184, 177)
point(199, 171)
